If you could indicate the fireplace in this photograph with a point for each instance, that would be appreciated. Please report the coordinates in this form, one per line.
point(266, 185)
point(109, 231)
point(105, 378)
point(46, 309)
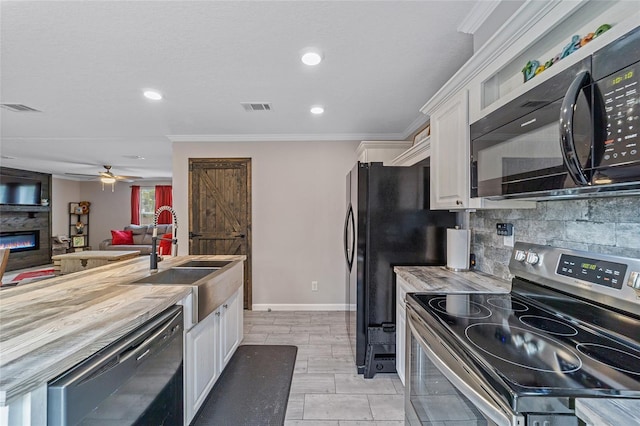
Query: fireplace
point(20, 241)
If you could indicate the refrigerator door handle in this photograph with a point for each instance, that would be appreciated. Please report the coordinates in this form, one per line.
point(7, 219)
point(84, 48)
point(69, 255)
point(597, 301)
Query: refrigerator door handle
point(349, 248)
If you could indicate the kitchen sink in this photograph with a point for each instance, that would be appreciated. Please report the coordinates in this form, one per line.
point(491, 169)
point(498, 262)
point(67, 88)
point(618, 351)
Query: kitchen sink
point(209, 264)
point(212, 281)
point(175, 276)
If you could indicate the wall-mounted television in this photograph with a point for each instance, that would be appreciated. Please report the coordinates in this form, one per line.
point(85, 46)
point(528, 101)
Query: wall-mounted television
point(16, 190)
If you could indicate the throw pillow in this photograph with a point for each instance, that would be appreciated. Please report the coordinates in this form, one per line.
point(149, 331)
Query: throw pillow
point(165, 246)
point(119, 238)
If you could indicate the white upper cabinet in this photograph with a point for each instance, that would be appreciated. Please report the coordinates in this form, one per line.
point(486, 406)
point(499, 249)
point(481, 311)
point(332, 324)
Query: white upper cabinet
point(492, 77)
point(450, 154)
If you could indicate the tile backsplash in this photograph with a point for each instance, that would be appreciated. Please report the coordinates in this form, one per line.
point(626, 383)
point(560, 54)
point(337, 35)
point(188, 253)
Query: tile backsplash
point(601, 225)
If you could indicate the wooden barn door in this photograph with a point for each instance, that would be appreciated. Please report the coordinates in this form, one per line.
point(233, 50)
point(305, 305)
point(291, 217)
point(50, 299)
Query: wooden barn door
point(220, 214)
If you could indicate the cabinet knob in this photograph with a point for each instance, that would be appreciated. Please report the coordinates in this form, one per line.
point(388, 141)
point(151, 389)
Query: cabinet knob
point(458, 202)
point(532, 258)
point(218, 313)
point(225, 306)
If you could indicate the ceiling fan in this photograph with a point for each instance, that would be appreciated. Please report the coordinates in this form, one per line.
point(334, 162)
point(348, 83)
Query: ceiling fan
point(107, 177)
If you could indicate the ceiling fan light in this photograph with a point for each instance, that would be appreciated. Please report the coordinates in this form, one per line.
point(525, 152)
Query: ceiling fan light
point(107, 180)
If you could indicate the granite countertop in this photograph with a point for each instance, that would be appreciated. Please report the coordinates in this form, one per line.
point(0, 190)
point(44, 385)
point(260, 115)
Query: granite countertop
point(49, 326)
point(440, 279)
point(608, 412)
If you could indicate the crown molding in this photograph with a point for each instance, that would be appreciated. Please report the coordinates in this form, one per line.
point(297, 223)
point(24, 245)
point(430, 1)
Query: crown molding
point(285, 137)
point(416, 125)
point(476, 17)
point(364, 145)
point(519, 25)
point(416, 153)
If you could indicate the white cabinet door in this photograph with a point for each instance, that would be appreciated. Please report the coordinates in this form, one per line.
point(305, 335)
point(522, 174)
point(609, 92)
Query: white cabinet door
point(201, 366)
point(210, 344)
point(401, 317)
point(401, 328)
point(230, 327)
point(450, 154)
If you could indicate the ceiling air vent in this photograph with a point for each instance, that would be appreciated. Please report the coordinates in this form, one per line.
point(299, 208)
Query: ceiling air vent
point(256, 106)
point(18, 108)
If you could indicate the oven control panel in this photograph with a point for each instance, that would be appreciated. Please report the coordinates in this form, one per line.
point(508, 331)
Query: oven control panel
point(595, 271)
point(603, 278)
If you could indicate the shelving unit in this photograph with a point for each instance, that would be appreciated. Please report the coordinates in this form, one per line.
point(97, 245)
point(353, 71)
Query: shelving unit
point(79, 238)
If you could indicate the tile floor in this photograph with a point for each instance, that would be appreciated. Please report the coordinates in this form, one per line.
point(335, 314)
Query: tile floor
point(326, 391)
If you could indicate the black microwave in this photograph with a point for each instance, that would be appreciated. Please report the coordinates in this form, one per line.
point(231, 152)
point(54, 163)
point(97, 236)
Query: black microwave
point(574, 135)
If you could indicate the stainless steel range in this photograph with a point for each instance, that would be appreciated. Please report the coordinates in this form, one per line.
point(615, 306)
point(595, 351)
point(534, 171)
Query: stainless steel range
point(569, 328)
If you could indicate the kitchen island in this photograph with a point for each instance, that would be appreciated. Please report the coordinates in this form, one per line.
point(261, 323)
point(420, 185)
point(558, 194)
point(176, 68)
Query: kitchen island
point(49, 326)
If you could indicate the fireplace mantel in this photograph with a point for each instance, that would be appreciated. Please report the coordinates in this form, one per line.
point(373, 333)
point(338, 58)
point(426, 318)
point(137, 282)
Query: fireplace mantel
point(6, 208)
point(23, 218)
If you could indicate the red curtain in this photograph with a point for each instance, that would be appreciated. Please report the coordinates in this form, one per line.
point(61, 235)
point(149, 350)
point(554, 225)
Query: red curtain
point(135, 205)
point(164, 198)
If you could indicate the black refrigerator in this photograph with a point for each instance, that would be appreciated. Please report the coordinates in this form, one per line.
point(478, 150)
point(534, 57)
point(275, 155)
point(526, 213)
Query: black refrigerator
point(388, 223)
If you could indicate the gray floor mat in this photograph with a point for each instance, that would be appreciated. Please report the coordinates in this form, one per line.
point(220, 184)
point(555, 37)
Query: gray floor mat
point(253, 389)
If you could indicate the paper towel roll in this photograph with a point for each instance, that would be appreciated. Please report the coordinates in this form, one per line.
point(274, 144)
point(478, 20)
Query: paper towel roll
point(458, 246)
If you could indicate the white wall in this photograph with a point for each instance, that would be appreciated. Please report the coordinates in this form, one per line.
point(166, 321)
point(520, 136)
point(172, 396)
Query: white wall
point(63, 192)
point(298, 208)
point(109, 210)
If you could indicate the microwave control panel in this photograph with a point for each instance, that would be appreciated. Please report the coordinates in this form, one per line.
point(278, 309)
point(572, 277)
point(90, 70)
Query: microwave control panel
point(622, 107)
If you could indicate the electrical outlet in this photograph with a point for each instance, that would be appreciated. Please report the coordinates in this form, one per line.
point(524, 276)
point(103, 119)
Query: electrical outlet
point(509, 241)
point(314, 285)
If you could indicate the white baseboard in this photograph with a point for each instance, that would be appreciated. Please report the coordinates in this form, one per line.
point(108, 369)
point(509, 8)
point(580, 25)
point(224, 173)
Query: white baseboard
point(301, 307)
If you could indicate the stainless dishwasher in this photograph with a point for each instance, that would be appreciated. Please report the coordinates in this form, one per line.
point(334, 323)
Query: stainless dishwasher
point(137, 380)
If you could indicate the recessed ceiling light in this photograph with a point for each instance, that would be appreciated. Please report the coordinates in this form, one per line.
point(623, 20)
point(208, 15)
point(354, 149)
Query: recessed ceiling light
point(311, 57)
point(317, 110)
point(153, 95)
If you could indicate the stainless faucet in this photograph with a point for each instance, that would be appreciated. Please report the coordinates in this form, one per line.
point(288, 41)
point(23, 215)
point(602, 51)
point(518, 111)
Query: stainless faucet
point(154, 237)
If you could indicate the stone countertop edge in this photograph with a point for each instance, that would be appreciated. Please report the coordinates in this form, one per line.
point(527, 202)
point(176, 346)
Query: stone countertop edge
point(49, 326)
point(440, 279)
point(608, 412)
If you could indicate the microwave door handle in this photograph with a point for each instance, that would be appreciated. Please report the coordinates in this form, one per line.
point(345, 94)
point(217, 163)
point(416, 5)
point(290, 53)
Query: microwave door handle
point(567, 143)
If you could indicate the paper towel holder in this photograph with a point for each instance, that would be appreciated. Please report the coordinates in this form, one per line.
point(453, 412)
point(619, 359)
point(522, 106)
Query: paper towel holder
point(458, 249)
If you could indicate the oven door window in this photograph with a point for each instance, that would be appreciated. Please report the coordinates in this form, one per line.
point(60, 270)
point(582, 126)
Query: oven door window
point(433, 400)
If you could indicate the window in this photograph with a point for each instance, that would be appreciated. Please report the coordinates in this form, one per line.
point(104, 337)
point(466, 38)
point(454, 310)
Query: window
point(147, 205)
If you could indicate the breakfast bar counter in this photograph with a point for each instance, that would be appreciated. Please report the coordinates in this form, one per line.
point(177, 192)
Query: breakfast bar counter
point(83, 260)
point(51, 325)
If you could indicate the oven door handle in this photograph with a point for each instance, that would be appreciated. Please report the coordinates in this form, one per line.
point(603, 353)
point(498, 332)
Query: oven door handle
point(472, 388)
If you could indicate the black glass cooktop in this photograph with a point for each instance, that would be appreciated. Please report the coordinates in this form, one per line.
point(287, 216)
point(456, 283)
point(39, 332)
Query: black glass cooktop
point(532, 348)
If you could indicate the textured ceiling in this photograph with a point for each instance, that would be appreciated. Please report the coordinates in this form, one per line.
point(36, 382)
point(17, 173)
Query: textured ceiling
point(84, 65)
